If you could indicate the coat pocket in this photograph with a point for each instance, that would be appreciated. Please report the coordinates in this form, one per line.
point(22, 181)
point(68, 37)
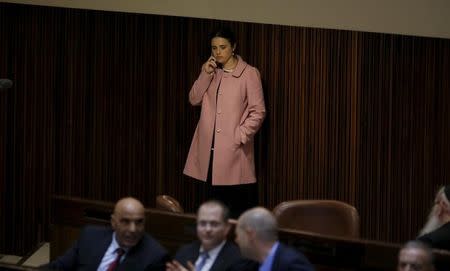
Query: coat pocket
point(237, 136)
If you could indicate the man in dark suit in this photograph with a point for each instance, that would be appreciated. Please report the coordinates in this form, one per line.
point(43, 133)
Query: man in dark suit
point(436, 232)
point(125, 246)
point(212, 252)
point(257, 237)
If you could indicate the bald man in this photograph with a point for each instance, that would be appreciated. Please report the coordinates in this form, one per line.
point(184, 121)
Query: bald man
point(124, 246)
point(415, 256)
point(257, 237)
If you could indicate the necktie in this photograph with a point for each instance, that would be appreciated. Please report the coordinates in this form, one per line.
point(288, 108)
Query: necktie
point(204, 256)
point(112, 266)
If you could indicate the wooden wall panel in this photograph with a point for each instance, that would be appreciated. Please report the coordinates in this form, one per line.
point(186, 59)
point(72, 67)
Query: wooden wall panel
point(100, 110)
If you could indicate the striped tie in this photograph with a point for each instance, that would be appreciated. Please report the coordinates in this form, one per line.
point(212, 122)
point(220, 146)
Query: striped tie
point(204, 256)
point(112, 266)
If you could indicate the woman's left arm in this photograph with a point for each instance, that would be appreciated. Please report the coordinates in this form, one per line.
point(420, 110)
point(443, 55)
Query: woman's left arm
point(256, 109)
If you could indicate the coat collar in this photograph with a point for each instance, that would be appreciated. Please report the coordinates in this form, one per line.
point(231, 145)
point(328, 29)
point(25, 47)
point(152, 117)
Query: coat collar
point(240, 67)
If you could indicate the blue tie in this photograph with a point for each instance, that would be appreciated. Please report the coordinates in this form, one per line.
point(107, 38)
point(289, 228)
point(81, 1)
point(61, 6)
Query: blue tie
point(203, 258)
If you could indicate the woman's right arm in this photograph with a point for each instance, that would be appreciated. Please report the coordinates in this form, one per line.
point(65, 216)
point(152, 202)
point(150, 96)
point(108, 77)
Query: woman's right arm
point(200, 87)
point(203, 82)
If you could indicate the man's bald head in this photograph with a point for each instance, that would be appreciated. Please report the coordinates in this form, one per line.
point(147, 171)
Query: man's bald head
point(256, 232)
point(262, 221)
point(128, 221)
point(415, 255)
point(128, 204)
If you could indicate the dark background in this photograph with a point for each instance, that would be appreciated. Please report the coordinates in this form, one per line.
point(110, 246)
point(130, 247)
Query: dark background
point(99, 110)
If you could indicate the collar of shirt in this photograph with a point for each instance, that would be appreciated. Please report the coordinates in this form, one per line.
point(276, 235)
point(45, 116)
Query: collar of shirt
point(110, 254)
point(268, 261)
point(213, 253)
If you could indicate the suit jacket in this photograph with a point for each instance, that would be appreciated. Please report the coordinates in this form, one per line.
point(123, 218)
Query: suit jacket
point(439, 238)
point(228, 256)
point(288, 259)
point(285, 259)
point(88, 251)
point(233, 110)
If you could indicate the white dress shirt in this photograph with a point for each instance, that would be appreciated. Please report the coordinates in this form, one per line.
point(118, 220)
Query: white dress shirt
point(213, 253)
point(110, 254)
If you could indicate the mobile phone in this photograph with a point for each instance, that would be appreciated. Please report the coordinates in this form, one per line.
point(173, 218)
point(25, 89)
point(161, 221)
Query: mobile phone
point(219, 65)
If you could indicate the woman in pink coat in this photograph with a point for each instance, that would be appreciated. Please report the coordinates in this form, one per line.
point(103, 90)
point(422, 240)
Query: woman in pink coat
point(232, 110)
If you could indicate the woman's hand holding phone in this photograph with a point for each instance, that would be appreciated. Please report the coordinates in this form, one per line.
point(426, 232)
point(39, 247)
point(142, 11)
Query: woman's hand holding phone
point(210, 65)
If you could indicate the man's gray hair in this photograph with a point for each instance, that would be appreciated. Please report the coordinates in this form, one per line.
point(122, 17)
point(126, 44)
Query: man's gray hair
point(416, 244)
point(262, 221)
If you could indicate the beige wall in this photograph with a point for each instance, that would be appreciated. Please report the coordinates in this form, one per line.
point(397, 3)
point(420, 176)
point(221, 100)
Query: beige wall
point(413, 17)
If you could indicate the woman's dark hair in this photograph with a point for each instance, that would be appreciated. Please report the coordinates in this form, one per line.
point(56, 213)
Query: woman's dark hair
point(226, 33)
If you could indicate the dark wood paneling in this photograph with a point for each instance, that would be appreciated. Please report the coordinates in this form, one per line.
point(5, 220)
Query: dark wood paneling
point(99, 110)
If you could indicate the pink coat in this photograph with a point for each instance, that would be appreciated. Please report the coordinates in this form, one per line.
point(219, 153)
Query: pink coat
point(238, 115)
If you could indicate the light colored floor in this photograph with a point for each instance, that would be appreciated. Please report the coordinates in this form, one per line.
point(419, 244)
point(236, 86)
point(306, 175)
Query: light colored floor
point(10, 259)
point(40, 257)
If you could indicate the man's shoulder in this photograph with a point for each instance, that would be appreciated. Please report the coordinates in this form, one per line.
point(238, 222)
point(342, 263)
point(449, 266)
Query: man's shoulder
point(438, 238)
point(96, 229)
point(188, 250)
point(229, 257)
point(444, 229)
point(290, 256)
point(95, 232)
point(151, 243)
point(440, 232)
point(148, 253)
point(287, 249)
point(230, 248)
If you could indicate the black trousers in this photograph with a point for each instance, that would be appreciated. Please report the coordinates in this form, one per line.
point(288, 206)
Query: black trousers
point(238, 198)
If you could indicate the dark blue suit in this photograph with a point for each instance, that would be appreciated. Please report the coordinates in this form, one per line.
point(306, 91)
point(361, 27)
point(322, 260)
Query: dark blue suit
point(439, 238)
point(87, 253)
point(288, 259)
point(285, 259)
point(228, 256)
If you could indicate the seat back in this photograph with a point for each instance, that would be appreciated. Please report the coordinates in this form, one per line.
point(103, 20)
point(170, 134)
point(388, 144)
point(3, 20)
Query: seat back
point(327, 217)
point(168, 203)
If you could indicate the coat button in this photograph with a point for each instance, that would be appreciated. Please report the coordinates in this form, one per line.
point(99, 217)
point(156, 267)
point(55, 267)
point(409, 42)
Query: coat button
point(218, 112)
point(218, 130)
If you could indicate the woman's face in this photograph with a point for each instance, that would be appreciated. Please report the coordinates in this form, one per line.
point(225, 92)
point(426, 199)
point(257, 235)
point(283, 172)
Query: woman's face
point(221, 50)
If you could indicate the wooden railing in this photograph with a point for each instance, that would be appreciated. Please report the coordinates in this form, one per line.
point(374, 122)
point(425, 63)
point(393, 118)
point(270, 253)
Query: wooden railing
point(172, 230)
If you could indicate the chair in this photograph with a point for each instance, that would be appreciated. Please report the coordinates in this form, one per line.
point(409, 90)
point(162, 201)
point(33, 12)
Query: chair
point(327, 217)
point(168, 203)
